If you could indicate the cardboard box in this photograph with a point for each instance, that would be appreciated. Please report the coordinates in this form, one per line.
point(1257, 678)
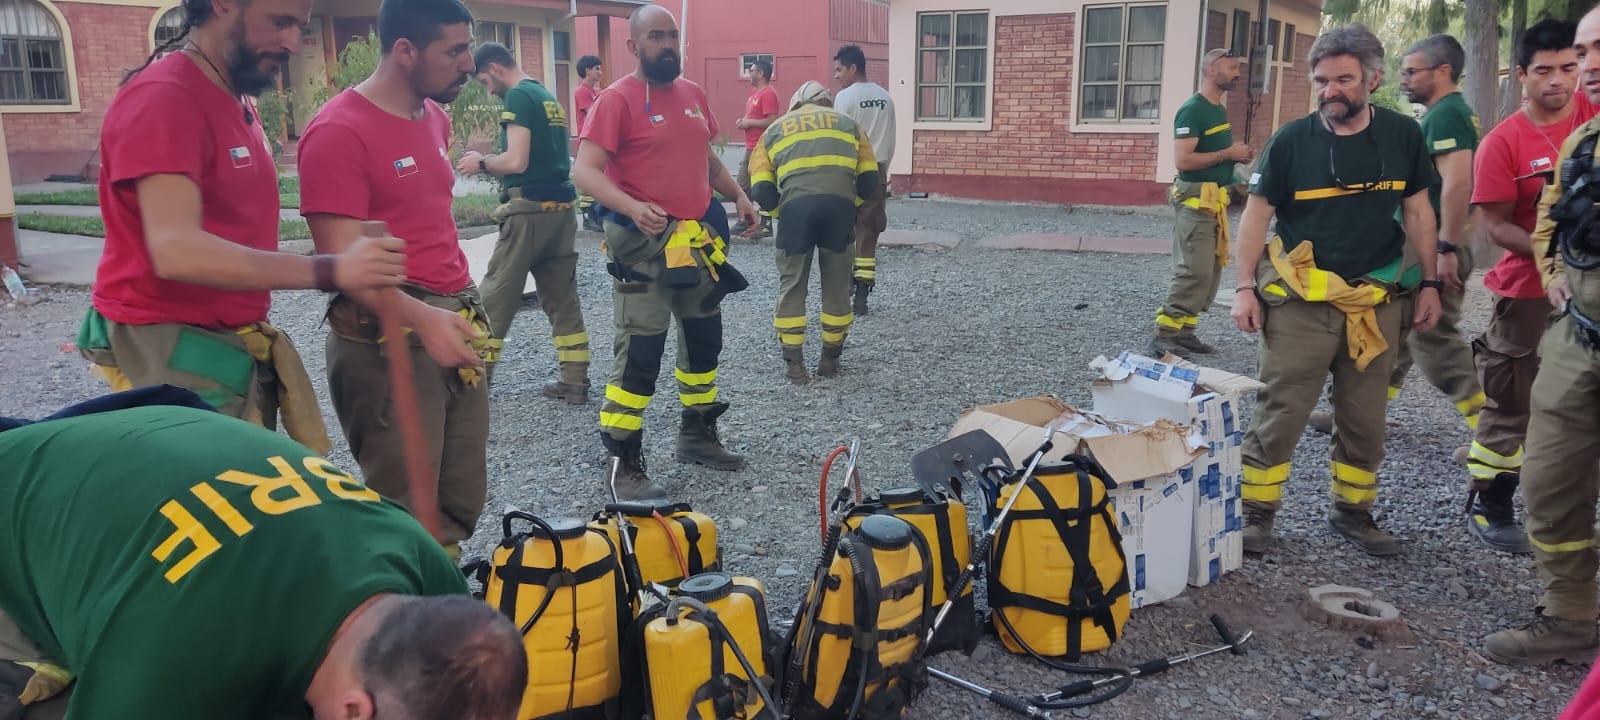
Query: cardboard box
point(1153, 502)
point(1138, 388)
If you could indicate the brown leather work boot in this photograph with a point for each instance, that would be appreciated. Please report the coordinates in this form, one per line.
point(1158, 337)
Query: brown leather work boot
point(828, 365)
point(632, 483)
point(1544, 640)
point(859, 293)
point(794, 365)
point(1358, 527)
point(1258, 529)
point(1192, 342)
point(572, 394)
point(698, 441)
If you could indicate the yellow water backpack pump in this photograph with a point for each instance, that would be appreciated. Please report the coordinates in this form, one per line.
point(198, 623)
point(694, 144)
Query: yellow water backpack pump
point(560, 583)
point(671, 543)
point(856, 648)
point(704, 655)
point(941, 520)
point(1058, 580)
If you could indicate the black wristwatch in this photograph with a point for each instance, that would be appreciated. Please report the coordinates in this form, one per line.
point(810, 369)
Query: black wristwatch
point(483, 165)
point(1445, 247)
point(1435, 284)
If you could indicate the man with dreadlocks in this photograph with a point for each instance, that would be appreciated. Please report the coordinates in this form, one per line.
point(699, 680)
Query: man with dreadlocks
point(189, 191)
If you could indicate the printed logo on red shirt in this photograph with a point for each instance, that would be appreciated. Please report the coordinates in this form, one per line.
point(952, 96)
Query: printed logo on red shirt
point(406, 166)
point(240, 156)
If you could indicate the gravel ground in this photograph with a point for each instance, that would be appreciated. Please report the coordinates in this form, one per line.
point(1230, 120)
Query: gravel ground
point(955, 328)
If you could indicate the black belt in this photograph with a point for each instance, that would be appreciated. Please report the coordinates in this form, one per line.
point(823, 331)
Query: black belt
point(545, 194)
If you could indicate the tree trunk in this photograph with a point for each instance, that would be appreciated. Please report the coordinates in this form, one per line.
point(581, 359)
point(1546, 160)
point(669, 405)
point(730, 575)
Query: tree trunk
point(1511, 92)
point(1483, 60)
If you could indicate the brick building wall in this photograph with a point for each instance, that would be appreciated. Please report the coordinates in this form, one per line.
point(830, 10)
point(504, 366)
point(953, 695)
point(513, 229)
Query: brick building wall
point(43, 144)
point(1297, 82)
point(531, 55)
point(1030, 153)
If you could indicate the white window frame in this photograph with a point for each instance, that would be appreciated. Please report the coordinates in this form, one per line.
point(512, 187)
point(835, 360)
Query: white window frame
point(172, 18)
point(1123, 45)
point(986, 85)
point(745, 60)
point(510, 39)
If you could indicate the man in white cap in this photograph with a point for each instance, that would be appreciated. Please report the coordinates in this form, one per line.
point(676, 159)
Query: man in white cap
point(814, 165)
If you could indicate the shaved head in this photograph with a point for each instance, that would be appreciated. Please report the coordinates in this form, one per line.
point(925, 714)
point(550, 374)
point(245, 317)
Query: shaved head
point(1587, 43)
point(648, 17)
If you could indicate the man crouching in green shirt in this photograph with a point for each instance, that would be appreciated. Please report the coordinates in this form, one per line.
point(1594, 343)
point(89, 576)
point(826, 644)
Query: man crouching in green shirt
point(180, 563)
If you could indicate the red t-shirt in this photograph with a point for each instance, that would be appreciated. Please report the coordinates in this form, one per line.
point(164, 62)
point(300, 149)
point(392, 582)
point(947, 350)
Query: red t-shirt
point(763, 102)
point(1512, 164)
point(171, 119)
point(659, 146)
point(584, 99)
point(358, 160)
point(1586, 704)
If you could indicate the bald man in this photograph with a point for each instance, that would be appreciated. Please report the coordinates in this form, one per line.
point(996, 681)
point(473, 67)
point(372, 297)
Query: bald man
point(647, 157)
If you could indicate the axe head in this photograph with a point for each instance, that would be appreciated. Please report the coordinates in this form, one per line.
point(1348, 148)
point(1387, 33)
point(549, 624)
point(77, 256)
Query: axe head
point(944, 469)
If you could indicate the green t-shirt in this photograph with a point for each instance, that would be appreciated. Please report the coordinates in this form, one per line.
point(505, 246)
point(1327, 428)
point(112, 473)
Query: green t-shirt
point(186, 564)
point(1199, 118)
point(1341, 193)
point(1448, 126)
point(530, 105)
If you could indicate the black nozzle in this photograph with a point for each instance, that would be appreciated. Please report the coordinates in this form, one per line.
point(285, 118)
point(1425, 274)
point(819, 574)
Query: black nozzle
point(630, 509)
point(1234, 645)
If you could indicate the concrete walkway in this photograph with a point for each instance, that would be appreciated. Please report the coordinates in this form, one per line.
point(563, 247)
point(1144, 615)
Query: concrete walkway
point(57, 259)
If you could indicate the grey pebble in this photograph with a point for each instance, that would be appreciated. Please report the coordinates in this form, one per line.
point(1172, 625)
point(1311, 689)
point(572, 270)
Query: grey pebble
point(1373, 670)
point(758, 488)
point(745, 549)
point(737, 523)
point(1290, 700)
point(1378, 683)
point(1488, 682)
point(785, 570)
point(1080, 712)
point(1250, 715)
point(1184, 703)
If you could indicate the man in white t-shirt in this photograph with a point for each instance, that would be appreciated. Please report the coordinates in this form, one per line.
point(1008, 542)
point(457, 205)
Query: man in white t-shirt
point(870, 106)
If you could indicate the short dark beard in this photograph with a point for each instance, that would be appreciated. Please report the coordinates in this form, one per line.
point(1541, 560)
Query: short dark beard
point(244, 65)
point(1352, 109)
point(664, 69)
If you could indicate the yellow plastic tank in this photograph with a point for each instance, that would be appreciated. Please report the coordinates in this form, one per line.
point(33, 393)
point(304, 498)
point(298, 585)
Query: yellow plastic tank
point(575, 680)
point(1030, 557)
point(690, 533)
point(682, 655)
point(943, 526)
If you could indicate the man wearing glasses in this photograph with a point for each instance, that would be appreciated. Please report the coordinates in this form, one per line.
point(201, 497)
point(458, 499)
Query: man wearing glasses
point(1331, 291)
point(1206, 154)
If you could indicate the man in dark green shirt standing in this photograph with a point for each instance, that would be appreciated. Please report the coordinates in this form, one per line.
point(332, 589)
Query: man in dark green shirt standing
point(1430, 71)
point(179, 563)
point(1329, 292)
point(1206, 154)
point(538, 227)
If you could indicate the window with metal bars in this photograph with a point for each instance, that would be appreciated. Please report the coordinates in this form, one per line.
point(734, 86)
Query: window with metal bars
point(33, 60)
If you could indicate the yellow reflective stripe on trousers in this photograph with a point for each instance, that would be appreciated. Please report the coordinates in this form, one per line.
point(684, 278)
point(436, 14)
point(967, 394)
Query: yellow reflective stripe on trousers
point(621, 421)
point(838, 319)
point(1484, 455)
point(705, 398)
point(1264, 484)
point(792, 339)
point(1471, 405)
point(1394, 392)
point(627, 399)
point(815, 161)
point(833, 336)
point(1317, 286)
point(1168, 321)
point(1354, 485)
point(1565, 547)
point(789, 323)
point(577, 338)
point(808, 135)
point(701, 378)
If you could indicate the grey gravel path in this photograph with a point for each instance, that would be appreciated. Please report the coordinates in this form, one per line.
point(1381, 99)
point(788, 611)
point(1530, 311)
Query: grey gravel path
point(955, 328)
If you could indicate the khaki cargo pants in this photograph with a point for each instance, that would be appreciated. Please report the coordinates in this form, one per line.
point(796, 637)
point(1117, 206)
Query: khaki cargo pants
point(185, 356)
point(813, 223)
point(872, 218)
point(1507, 359)
point(17, 647)
point(1444, 355)
point(642, 311)
point(1559, 484)
point(1301, 343)
point(1196, 269)
point(455, 414)
point(539, 239)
